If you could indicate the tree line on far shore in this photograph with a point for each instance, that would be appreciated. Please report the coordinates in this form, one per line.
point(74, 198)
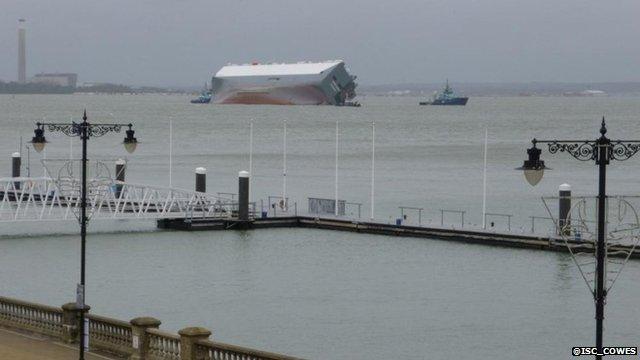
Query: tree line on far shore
point(45, 88)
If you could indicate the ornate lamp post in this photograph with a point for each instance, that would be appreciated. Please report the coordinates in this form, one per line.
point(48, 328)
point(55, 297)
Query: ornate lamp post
point(84, 131)
point(601, 151)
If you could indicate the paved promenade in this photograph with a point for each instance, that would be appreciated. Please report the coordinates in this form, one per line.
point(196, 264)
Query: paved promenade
point(20, 346)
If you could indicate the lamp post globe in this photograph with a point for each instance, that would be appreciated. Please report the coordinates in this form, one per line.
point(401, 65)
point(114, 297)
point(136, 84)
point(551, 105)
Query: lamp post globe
point(533, 176)
point(38, 139)
point(533, 167)
point(130, 142)
point(130, 146)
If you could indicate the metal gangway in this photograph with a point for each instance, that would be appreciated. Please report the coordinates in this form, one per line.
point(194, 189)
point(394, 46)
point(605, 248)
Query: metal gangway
point(50, 199)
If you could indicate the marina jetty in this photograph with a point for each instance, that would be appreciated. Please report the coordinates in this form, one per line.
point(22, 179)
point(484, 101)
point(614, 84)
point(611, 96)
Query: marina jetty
point(43, 199)
point(549, 243)
point(243, 216)
point(35, 331)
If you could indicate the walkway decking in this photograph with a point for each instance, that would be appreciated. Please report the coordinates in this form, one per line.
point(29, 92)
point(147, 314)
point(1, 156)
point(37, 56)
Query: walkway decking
point(22, 346)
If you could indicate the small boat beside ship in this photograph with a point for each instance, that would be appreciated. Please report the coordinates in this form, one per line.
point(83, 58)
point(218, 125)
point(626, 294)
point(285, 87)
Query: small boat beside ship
point(204, 97)
point(446, 97)
point(350, 103)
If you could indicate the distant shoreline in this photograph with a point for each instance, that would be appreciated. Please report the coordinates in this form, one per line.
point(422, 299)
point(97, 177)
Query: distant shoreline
point(508, 89)
point(31, 88)
point(533, 89)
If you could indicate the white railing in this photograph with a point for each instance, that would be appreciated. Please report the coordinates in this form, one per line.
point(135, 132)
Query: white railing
point(29, 199)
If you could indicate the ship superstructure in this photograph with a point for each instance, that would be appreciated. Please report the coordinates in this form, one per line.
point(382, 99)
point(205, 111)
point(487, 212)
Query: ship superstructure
point(302, 83)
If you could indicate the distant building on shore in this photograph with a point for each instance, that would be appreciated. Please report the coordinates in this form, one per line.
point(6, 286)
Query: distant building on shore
point(43, 83)
point(22, 52)
point(59, 79)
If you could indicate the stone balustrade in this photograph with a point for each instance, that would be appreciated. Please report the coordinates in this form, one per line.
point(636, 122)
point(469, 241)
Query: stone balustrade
point(38, 318)
point(139, 339)
point(162, 345)
point(110, 335)
point(211, 350)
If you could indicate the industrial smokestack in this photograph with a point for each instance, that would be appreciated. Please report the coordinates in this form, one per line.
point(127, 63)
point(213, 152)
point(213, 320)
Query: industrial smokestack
point(22, 52)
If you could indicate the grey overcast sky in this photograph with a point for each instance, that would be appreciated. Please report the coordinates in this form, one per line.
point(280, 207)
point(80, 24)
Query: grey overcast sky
point(182, 42)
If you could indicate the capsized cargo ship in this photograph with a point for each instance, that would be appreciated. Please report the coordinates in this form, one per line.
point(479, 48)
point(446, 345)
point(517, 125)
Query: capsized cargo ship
point(302, 83)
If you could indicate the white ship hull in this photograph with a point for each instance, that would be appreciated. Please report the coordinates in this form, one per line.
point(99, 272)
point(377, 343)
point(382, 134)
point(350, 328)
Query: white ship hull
point(284, 84)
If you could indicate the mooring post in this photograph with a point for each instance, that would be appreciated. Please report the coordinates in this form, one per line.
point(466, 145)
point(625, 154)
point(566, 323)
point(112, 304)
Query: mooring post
point(243, 195)
point(201, 179)
point(121, 167)
point(564, 206)
point(188, 338)
point(16, 162)
point(139, 337)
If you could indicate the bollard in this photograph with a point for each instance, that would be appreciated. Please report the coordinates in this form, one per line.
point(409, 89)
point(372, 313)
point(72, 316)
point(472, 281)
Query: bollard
point(243, 195)
point(121, 167)
point(201, 179)
point(564, 206)
point(139, 337)
point(188, 338)
point(71, 322)
point(16, 162)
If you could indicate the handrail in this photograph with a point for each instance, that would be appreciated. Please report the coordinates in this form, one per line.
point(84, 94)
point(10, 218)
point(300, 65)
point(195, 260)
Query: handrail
point(162, 333)
point(115, 322)
point(213, 350)
point(30, 304)
point(508, 216)
point(461, 212)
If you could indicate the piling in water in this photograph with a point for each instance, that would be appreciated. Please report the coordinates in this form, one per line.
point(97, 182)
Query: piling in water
point(16, 162)
point(243, 195)
point(121, 167)
point(201, 179)
point(564, 206)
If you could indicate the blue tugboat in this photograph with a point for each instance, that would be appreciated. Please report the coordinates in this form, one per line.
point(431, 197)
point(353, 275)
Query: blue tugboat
point(446, 97)
point(204, 97)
